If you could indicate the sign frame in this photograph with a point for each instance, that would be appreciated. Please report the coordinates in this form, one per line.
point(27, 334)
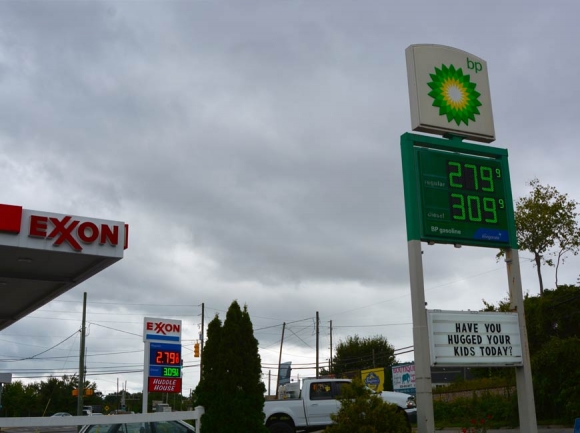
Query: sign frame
point(415, 209)
point(449, 92)
point(479, 341)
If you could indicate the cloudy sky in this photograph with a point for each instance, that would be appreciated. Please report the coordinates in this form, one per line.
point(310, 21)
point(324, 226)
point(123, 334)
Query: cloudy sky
point(253, 148)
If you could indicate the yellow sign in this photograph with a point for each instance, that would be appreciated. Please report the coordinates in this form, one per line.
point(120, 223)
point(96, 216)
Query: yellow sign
point(374, 378)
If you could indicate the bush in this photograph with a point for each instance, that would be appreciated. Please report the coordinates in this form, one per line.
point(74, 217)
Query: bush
point(364, 412)
point(496, 410)
point(556, 379)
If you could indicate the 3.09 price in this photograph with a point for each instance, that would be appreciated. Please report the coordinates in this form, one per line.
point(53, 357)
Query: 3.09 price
point(474, 208)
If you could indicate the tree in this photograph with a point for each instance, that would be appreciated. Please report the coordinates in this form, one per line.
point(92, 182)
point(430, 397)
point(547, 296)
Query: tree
point(546, 220)
point(45, 397)
point(358, 353)
point(363, 412)
point(553, 331)
point(557, 363)
point(231, 388)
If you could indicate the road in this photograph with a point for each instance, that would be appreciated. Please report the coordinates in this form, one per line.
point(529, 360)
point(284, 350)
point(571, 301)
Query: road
point(553, 429)
point(58, 429)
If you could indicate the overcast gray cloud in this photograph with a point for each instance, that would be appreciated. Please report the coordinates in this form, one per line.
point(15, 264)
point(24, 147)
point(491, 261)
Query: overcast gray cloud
point(253, 148)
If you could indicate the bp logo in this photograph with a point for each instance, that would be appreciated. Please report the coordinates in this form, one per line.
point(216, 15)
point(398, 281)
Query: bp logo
point(455, 95)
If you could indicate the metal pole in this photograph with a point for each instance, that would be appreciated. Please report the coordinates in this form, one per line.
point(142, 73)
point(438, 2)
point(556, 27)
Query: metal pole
point(425, 414)
point(330, 363)
point(524, 385)
point(145, 402)
point(201, 340)
point(317, 340)
point(81, 387)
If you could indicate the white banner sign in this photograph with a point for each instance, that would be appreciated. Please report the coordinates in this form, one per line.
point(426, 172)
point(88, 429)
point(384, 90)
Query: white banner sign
point(474, 338)
point(404, 377)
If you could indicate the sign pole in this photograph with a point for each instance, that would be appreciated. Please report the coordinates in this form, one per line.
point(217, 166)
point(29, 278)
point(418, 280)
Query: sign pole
point(145, 401)
point(425, 414)
point(525, 388)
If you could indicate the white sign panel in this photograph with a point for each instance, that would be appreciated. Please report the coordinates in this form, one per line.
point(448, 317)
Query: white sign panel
point(404, 378)
point(474, 338)
point(449, 92)
point(165, 330)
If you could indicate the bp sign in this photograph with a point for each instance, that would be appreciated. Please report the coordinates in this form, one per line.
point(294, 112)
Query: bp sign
point(449, 92)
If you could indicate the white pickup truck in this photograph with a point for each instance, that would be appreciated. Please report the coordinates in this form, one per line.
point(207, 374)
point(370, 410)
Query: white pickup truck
point(318, 399)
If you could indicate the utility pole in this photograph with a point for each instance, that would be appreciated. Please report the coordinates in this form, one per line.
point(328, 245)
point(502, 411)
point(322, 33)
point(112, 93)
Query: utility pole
point(201, 341)
point(280, 359)
point(82, 359)
point(330, 363)
point(317, 338)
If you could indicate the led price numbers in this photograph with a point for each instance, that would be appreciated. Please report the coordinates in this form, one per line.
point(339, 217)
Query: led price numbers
point(462, 198)
point(164, 371)
point(166, 357)
point(171, 372)
point(467, 180)
point(165, 354)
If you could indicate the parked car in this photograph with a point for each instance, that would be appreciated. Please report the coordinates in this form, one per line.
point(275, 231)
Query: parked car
point(141, 427)
point(62, 414)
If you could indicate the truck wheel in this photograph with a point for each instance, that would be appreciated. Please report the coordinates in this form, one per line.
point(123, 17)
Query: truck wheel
point(281, 427)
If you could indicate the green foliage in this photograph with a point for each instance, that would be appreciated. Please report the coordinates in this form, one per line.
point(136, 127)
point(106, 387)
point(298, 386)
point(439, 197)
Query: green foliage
point(358, 353)
point(45, 397)
point(495, 410)
point(546, 226)
point(231, 389)
point(557, 379)
point(364, 412)
point(555, 314)
point(477, 384)
point(553, 331)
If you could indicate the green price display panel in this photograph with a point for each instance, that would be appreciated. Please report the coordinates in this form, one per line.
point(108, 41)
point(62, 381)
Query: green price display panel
point(462, 198)
point(159, 371)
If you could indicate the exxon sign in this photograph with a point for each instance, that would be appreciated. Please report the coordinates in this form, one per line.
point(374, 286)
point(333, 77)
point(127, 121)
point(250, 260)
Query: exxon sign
point(161, 330)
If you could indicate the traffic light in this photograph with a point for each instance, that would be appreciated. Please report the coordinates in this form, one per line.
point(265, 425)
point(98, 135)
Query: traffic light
point(196, 350)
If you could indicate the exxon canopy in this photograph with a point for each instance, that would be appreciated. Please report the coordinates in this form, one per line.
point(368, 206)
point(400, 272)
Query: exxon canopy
point(43, 255)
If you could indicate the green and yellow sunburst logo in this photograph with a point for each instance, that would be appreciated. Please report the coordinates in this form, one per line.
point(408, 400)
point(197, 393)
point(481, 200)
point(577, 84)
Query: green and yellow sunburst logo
point(454, 94)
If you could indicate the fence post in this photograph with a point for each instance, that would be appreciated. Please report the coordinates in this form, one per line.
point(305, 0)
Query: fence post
point(199, 411)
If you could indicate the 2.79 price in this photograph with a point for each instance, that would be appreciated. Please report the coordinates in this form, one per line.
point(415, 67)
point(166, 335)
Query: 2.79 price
point(164, 357)
point(474, 196)
point(473, 177)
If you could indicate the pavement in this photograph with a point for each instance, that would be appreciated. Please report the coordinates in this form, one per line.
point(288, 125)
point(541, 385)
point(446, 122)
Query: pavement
point(546, 429)
point(543, 429)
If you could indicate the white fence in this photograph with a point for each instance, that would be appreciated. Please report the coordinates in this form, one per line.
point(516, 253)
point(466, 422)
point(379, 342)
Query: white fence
point(193, 415)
